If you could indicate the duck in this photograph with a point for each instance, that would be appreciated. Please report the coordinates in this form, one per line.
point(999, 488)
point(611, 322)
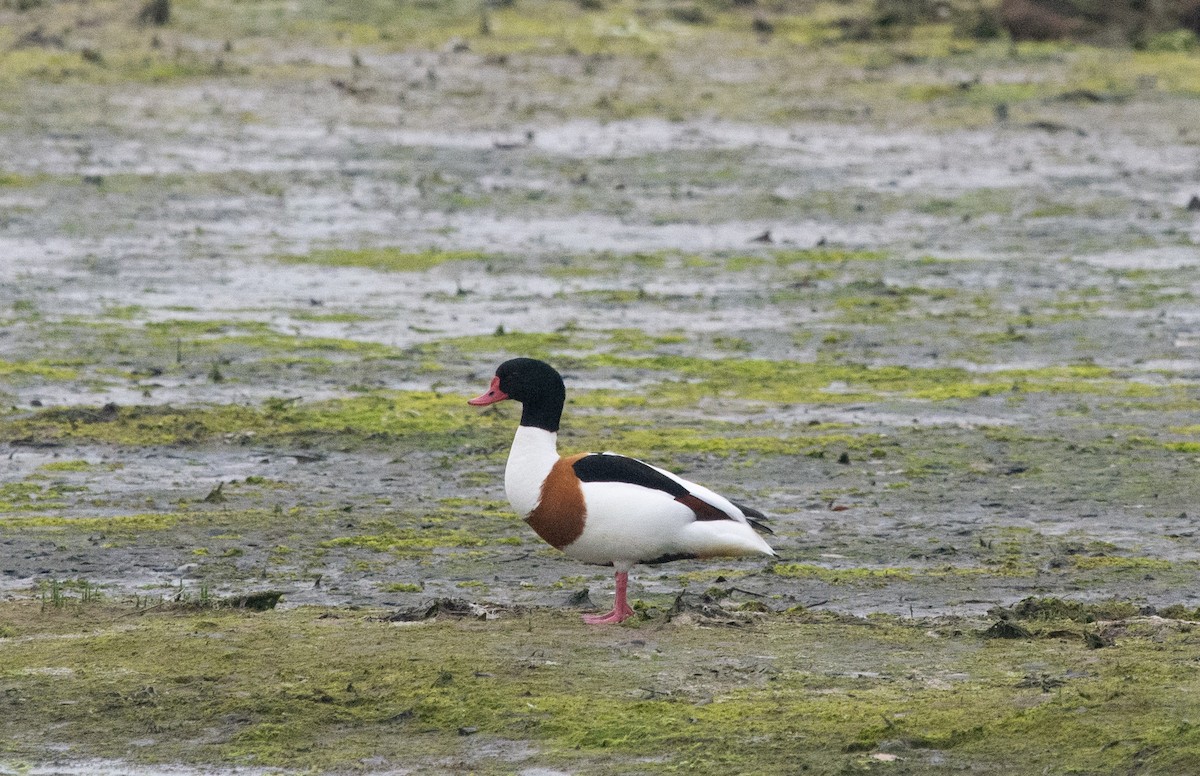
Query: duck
point(605, 508)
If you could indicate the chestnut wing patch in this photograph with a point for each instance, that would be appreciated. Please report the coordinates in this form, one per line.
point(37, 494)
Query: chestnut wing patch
point(606, 467)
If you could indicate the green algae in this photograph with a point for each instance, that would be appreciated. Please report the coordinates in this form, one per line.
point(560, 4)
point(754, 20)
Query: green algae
point(101, 352)
point(905, 77)
point(67, 466)
point(1174, 72)
point(179, 328)
point(15, 180)
point(120, 525)
point(882, 577)
point(841, 576)
point(790, 381)
point(123, 312)
point(690, 379)
point(208, 338)
point(562, 346)
point(30, 497)
point(582, 265)
point(825, 256)
point(43, 370)
point(511, 343)
point(1120, 563)
point(877, 308)
point(331, 317)
point(401, 587)
point(719, 439)
point(638, 340)
point(432, 420)
point(139, 65)
point(385, 259)
point(406, 541)
point(315, 688)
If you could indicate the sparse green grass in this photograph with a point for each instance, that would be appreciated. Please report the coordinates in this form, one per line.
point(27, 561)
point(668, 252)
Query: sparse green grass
point(312, 688)
point(59, 594)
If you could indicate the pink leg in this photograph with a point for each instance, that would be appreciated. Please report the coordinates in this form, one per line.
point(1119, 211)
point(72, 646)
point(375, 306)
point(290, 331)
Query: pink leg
point(620, 610)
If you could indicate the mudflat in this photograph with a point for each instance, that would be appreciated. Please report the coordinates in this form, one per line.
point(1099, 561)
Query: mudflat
point(928, 302)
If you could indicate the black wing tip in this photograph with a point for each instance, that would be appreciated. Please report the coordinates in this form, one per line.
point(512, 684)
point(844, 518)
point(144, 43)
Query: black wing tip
point(759, 526)
point(756, 519)
point(749, 511)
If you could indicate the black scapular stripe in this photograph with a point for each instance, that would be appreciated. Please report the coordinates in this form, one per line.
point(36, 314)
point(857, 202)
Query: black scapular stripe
point(609, 467)
point(605, 467)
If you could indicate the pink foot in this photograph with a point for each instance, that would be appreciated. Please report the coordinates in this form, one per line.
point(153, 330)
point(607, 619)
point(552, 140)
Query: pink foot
point(612, 617)
point(620, 611)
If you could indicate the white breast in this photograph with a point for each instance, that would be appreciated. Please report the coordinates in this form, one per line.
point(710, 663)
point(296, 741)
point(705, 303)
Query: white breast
point(534, 452)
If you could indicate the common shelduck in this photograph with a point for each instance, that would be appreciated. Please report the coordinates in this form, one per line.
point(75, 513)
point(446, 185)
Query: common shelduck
point(606, 508)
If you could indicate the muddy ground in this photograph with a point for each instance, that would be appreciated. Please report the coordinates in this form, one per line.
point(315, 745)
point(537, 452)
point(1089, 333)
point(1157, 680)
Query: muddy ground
point(930, 306)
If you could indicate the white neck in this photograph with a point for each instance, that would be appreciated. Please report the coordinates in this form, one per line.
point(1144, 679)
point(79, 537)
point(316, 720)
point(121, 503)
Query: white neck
point(534, 452)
